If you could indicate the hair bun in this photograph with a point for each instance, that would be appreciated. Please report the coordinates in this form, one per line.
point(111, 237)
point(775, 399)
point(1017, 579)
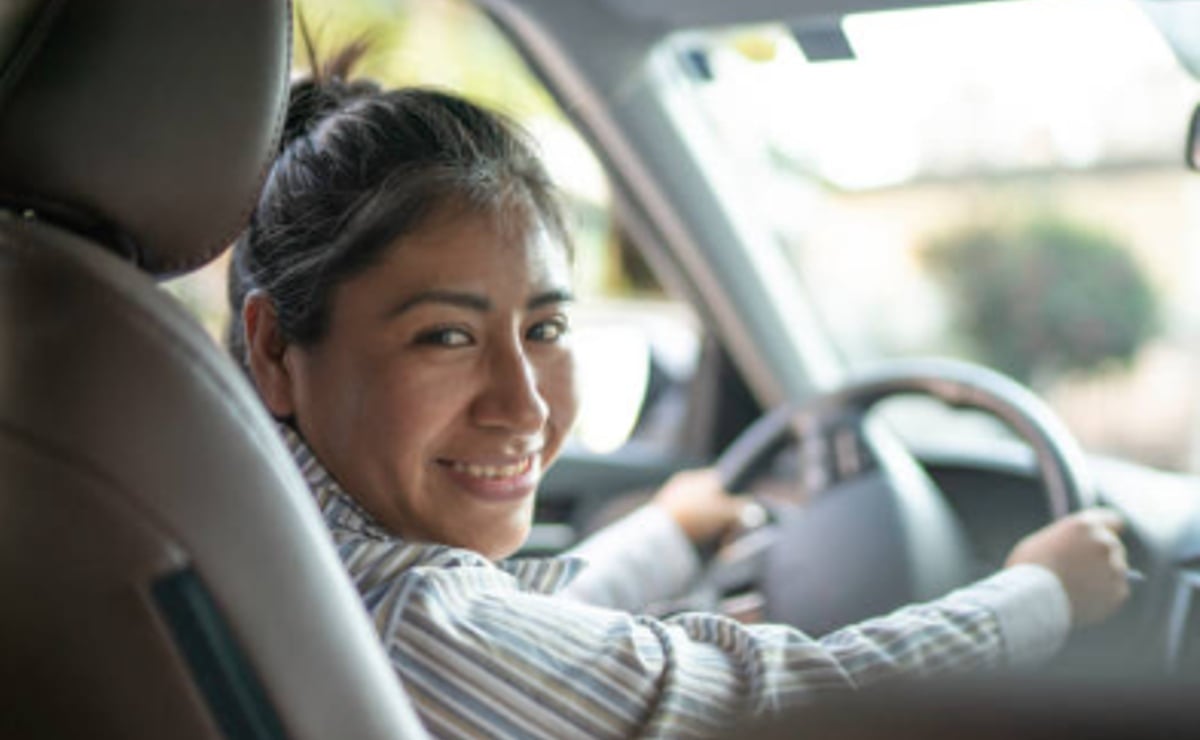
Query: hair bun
point(326, 89)
point(308, 102)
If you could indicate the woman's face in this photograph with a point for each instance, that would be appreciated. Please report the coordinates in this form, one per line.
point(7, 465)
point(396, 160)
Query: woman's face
point(444, 386)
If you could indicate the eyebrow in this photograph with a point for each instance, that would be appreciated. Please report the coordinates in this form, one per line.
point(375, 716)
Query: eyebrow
point(549, 298)
point(474, 301)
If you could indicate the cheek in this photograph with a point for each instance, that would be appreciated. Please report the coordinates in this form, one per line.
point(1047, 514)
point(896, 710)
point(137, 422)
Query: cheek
point(382, 411)
point(401, 429)
point(562, 395)
point(325, 396)
point(412, 407)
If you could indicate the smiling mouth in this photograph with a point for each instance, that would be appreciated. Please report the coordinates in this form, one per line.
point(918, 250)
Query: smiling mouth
point(491, 472)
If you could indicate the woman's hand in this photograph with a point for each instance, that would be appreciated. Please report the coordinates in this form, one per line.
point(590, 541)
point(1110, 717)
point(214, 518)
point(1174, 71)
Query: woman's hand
point(699, 505)
point(1083, 550)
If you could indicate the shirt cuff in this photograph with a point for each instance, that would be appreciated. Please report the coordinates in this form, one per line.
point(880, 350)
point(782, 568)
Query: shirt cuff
point(637, 560)
point(1031, 608)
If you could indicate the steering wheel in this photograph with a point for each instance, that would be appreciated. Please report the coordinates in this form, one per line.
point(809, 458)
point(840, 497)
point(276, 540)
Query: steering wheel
point(877, 533)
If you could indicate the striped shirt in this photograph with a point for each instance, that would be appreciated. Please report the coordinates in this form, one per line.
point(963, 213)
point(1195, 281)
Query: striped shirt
point(495, 650)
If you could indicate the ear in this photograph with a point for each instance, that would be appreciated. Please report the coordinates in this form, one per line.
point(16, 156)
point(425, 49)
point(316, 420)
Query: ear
point(265, 349)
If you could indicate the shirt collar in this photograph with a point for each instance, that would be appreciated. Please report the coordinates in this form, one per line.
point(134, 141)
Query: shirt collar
point(344, 515)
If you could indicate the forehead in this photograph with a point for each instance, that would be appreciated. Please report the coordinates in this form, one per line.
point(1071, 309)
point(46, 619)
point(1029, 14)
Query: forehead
point(481, 250)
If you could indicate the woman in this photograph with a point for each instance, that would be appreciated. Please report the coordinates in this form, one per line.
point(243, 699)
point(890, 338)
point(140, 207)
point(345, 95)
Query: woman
point(405, 289)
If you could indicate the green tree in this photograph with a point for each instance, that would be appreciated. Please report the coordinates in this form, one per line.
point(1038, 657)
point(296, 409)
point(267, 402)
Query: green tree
point(1045, 297)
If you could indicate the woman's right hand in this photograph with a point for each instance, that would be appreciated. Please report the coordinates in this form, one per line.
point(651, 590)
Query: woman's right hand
point(704, 510)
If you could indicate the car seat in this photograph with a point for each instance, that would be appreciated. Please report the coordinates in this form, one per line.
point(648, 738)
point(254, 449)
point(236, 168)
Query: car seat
point(164, 572)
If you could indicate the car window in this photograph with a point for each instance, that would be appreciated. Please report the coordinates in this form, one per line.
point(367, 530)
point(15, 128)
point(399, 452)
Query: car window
point(638, 347)
point(1036, 141)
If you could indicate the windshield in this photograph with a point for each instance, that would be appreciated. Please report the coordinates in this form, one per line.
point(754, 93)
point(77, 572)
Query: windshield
point(998, 182)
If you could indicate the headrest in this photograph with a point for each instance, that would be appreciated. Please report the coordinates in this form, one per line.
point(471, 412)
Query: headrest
point(146, 125)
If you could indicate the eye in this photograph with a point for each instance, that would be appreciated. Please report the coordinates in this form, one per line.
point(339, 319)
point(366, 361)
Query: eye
point(549, 331)
point(444, 337)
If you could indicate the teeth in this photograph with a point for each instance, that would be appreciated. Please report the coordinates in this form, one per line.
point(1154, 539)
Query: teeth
point(492, 471)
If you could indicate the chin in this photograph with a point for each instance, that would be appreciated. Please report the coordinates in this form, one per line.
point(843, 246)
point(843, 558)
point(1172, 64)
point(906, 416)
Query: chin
point(502, 546)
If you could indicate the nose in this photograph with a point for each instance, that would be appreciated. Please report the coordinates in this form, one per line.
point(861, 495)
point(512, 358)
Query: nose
point(511, 399)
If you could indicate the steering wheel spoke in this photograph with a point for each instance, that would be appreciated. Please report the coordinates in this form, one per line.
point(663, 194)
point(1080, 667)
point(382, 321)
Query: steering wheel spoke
point(875, 532)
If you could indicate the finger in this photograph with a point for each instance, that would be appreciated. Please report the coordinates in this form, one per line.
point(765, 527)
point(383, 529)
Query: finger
point(1106, 518)
point(1118, 560)
point(1106, 537)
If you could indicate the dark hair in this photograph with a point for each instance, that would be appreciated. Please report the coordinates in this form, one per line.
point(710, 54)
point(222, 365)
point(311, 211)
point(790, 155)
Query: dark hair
point(361, 167)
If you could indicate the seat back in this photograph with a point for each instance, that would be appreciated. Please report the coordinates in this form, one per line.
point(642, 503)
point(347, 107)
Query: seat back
point(164, 571)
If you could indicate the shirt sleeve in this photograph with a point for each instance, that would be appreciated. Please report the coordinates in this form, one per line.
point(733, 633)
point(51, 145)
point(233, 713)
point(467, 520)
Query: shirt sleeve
point(1032, 611)
point(481, 657)
point(639, 560)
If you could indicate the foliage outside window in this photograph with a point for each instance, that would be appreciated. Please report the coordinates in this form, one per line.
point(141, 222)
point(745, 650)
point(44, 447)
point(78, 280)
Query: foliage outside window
point(1045, 297)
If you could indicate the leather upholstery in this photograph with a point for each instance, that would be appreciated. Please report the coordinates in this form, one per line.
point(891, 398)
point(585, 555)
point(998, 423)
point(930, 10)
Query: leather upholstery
point(164, 571)
point(148, 124)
